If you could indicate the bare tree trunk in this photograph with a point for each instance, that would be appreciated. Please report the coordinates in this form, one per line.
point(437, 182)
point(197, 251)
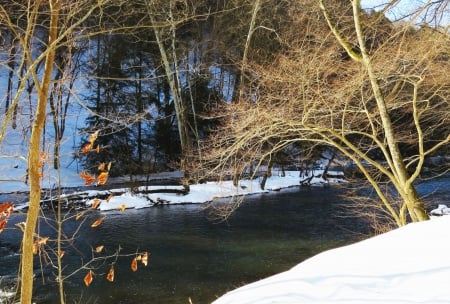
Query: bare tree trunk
point(139, 108)
point(33, 162)
point(59, 102)
point(327, 167)
point(175, 86)
point(11, 65)
point(267, 174)
point(251, 30)
point(56, 94)
point(406, 189)
point(400, 177)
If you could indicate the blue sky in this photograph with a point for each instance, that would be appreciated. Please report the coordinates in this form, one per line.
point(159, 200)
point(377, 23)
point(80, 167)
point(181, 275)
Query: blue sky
point(407, 7)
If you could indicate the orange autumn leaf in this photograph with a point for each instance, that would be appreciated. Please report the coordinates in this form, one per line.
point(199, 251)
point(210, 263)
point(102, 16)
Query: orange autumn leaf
point(134, 264)
point(144, 259)
point(61, 253)
point(99, 249)
point(6, 209)
point(101, 167)
point(97, 222)
point(88, 278)
point(79, 215)
point(110, 275)
point(95, 203)
point(38, 243)
point(36, 247)
point(93, 137)
point(42, 160)
point(97, 149)
point(102, 178)
point(3, 225)
point(123, 207)
point(43, 241)
point(88, 179)
point(86, 148)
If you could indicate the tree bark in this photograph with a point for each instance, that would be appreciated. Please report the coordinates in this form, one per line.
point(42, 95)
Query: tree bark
point(400, 178)
point(33, 162)
point(406, 189)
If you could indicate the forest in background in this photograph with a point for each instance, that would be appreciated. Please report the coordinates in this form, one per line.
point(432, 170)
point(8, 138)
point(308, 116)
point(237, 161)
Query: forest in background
point(219, 89)
point(156, 78)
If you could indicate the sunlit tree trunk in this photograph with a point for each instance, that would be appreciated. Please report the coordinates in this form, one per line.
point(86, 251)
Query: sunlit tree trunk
point(33, 161)
point(251, 30)
point(401, 178)
point(405, 187)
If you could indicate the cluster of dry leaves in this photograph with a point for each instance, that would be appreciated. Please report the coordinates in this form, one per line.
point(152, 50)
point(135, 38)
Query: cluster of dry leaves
point(103, 168)
point(101, 179)
point(6, 208)
point(143, 258)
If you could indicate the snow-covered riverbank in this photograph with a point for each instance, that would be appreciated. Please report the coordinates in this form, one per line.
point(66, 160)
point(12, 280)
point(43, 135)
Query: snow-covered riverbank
point(147, 196)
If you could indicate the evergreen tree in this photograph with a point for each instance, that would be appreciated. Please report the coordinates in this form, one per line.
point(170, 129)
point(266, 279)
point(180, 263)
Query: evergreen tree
point(110, 105)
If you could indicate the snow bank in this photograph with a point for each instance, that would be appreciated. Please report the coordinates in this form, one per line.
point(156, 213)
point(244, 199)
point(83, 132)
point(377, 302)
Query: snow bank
point(202, 193)
point(123, 198)
point(440, 210)
point(407, 265)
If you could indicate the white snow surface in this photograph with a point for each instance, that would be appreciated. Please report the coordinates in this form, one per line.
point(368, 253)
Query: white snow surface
point(407, 265)
point(199, 193)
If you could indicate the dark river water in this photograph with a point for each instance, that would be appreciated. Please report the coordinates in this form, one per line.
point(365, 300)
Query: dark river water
point(193, 256)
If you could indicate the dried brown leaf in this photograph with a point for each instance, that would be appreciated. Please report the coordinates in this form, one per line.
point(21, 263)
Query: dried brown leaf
point(88, 278)
point(97, 222)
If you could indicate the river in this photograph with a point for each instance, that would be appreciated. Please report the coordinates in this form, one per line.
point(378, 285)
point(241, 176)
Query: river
point(193, 256)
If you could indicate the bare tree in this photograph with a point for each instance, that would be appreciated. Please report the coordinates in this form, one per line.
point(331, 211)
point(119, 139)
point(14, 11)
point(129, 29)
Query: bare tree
point(67, 66)
point(370, 89)
point(255, 9)
point(42, 86)
point(167, 29)
point(27, 22)
point(398, 174)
